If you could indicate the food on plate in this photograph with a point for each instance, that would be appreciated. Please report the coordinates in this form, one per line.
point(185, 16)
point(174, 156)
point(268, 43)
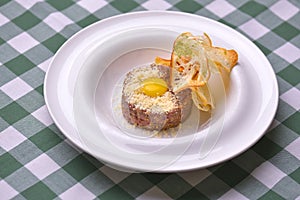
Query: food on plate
point(149, 102)
point(160, 96)
point(193, 60)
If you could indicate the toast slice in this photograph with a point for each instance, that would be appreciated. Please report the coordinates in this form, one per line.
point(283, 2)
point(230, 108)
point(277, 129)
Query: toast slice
point(202, 98)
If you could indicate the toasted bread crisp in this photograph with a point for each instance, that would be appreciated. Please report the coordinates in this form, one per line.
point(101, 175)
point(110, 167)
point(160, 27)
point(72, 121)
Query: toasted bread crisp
point(193, 60)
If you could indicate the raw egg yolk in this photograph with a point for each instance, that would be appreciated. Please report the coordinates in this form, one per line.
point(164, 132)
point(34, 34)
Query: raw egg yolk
point(154, 87)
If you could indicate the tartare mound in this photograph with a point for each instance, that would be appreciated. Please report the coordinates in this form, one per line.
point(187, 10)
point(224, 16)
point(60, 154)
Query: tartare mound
point(153, 113)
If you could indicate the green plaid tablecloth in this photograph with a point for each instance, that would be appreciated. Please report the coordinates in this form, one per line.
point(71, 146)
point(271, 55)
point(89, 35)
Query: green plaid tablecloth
point(38, 162)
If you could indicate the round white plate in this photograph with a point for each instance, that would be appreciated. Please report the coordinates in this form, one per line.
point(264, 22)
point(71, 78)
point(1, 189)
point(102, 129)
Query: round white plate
point(83, 83)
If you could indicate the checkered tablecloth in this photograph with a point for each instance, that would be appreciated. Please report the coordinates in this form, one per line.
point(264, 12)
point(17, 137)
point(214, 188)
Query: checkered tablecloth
point(38, 162)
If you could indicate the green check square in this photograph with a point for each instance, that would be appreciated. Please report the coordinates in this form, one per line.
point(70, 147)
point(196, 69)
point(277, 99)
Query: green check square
point(124, 6)
point(290, 74)
point(19, 65)
point(293, 122)
point(284, 109)
point(1, 41)
point(264, 49)
point(4, 99)
point(135, 184)
point(45, 139)
point(296, 175)
point(21, 179)
point(87, 21)
point(227, 23)
point(59, 4)
point(8, 165)
point(2, 151)
point(155, 178)
point(3, 125)
point(92, 181)
point(54, 42)
point(31, 101)
point(188, 6)
point(6, 76)
point(231, 173)
point(13, 112)
point(38, 191)
point(94, 161)
point(193, 194)
point(2, 2)
point(266, 148)
point(62, 153)
point(34, 77)
point(213, 187)
point(65, 181)
point(116, 192)
point(253, 8)
point(38, 54)
point(174, 186)
point(40, 89)
point(287, 188)
point(79, 167)
point(25, 152)
point(271, 195)
point(26, 21)
point(282, 140)
point(247, 185)
point(243, 160)
point(29, 126)
point(286, 31)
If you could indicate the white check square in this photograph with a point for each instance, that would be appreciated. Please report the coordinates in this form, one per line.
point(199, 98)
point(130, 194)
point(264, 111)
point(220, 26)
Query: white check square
point(23, 42)
point(3, 20)
point(10, 138)
point(57, 21)
point(156, 5)
point(254, 29)
point(288, 52)
point(284, 9)
point(195, 177)
point(45, 65)
point(6, 191)
point(232, 194)
point(268, 174)
point(292, 97)
point(43, 115)
point(92, 5)
point(16, 88)
point(153, 192)
point(294, 148)
point(114, 175)
point(78, 191)
point(42, 166)
point(220, 8)
point(28, 3)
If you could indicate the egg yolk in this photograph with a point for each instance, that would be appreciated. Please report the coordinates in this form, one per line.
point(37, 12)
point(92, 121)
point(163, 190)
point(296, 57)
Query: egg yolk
point(154, 87)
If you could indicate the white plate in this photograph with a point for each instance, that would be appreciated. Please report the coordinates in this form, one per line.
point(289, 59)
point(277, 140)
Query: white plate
point(82, 92)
